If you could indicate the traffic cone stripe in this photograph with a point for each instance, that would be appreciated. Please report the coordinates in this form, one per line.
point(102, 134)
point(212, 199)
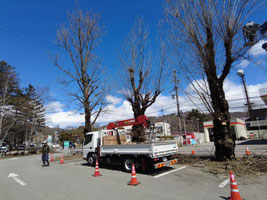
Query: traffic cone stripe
point(235, 190)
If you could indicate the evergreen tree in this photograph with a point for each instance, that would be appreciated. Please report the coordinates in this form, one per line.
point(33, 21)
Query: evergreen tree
point(9, 88)
point(34, 112)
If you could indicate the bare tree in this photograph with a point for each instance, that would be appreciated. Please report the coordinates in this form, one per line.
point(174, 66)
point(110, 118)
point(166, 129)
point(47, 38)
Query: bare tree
point(142, 78)
point(80, 40)
point(206, 34)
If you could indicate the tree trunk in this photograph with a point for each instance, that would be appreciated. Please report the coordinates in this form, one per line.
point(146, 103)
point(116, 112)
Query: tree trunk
point(88, 125)
point(223, 138)
point(138, 131)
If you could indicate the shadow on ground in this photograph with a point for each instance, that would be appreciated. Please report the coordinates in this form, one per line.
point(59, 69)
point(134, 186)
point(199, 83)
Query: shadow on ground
point(149, 172)
point(254, 142)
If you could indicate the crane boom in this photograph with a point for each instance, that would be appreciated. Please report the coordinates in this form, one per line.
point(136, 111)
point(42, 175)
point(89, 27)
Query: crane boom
point(135, 121)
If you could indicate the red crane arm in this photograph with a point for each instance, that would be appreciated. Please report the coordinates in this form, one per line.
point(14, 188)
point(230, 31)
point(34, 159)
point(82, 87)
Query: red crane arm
point(139, 120)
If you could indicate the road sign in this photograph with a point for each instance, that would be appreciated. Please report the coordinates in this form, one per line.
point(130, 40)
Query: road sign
point(66, 144)
point(49, 139)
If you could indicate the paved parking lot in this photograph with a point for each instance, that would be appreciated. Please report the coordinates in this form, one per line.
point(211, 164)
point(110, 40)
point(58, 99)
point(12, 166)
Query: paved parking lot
point(74, 180)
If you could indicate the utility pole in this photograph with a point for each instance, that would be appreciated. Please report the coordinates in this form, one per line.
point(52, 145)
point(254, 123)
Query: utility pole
point(242, 75)
point(162, 114)
point(178, 106)
point(259, 130)
point(184, 127)
point(185, 131)
point(197, 125)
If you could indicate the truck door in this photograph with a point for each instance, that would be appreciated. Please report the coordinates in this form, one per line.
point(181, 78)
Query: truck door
point(88, 142)
point(89, 147)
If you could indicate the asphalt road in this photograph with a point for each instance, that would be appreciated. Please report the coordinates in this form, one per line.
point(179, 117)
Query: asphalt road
point(74, 180)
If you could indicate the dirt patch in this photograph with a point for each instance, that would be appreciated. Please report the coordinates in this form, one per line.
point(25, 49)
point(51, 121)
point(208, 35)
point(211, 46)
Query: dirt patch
point(19, 154)
point(246, 166)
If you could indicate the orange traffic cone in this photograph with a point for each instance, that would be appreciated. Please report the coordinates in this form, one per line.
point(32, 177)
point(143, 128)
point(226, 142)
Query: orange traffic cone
point(193, 150)
point(133, 179)
point(61, 160)
point(234, 189)
point(247, 151)
point(52, 158)
point(97, 170)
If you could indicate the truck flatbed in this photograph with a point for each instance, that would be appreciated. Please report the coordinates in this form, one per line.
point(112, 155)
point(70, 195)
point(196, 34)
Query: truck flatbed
point(154, 149)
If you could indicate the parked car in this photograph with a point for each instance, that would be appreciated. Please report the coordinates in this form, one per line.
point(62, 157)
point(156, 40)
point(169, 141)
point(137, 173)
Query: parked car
point(72, 145)
point(32, 145)
point(55, 146)
point(21, 147)
point(3, 147)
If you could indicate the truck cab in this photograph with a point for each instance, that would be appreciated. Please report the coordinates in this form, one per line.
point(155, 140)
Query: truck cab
point(92, 141)
point(90, 146)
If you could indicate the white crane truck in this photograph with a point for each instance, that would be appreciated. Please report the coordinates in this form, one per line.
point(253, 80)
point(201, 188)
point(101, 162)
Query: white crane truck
point(99, 145)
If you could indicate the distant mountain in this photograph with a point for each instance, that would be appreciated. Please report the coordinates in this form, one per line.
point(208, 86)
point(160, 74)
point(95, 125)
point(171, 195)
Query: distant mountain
point(241, 115)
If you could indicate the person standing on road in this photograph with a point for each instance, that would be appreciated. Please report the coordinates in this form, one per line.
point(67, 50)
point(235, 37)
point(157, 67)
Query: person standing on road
point(45, 152)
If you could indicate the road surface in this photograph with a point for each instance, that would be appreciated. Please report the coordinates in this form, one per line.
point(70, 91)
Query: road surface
point(258, 147)
point(24, 178)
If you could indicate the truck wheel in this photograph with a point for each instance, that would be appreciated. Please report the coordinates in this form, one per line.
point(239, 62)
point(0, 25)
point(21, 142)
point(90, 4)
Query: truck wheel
point(127, 164)
point(91, 160)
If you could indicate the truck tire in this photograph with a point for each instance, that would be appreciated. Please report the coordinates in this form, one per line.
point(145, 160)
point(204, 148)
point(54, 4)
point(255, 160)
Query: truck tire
point(91, 159)
point(127, 164)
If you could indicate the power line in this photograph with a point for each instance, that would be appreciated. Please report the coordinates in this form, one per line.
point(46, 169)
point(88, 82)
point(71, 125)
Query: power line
point(230, 108)
point(26, 36)
point(201, 104)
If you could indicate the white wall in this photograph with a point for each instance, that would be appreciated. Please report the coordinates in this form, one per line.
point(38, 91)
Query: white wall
point(238, 124)
point(200, 137)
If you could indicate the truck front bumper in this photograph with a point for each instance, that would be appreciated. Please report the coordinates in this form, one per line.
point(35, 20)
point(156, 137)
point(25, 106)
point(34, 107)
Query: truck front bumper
point(166, 163)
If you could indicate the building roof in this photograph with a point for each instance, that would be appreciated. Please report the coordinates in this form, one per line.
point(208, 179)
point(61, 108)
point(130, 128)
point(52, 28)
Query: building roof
point(263, 94)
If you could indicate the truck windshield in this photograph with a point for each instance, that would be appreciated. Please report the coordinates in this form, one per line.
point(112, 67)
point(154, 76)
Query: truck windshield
point(88, 139)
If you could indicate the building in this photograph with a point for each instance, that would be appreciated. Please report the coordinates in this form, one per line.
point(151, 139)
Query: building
point(162, 129)
point(237, 127)
point(257, 123)
point(263, 95)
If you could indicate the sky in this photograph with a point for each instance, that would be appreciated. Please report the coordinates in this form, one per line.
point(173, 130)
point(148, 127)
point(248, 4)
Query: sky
point(27, 42)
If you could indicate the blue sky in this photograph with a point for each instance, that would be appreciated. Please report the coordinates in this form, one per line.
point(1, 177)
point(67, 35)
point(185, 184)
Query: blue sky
point(41, 18)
